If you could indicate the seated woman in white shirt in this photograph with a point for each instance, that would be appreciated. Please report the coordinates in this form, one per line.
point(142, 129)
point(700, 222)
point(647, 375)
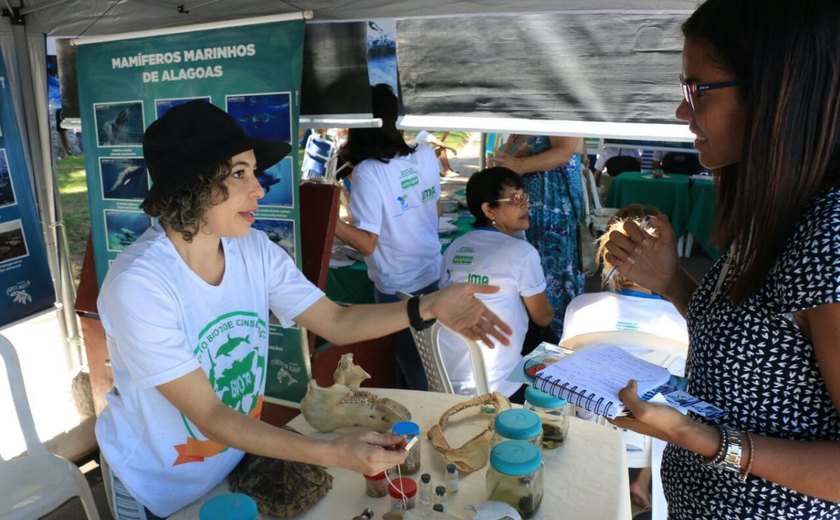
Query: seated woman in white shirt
point(627, 308)
point(491, 255)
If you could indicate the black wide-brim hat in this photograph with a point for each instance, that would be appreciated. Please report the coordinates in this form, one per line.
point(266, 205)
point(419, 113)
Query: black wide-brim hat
point(191, 139)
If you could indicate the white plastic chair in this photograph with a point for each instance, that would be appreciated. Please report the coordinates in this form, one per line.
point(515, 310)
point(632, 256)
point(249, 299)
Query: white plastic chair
point(596, 215)
point(436, 375)
point(37, 482)
point(319, 159)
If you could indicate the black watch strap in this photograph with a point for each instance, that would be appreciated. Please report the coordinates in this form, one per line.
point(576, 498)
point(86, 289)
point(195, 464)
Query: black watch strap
point(417, 322)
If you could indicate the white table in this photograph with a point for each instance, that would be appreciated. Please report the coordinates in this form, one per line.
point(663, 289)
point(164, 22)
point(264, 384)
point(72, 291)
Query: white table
point(585, 478)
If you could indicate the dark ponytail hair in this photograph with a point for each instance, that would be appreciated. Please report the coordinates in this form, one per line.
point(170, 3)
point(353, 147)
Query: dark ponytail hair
point(788, 55)
point(383, 143)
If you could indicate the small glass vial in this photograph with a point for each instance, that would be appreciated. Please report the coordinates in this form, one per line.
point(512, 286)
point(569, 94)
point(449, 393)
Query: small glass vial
point(409, 431)
point(376, 485)
point(424, 496)
point(440, 497)
point(451, 479)
point(517, 424)
point(402, 491)
point(554, 414)
point(515, 476)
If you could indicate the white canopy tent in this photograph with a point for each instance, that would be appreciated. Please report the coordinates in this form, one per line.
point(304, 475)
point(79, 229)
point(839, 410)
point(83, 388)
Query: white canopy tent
point(25, 25)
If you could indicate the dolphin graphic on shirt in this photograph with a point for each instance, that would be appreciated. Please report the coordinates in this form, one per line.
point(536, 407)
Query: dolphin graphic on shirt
point(231, 344)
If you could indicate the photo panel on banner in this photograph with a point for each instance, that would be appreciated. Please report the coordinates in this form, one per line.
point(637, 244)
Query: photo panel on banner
point(253, 72)
point(25, 282)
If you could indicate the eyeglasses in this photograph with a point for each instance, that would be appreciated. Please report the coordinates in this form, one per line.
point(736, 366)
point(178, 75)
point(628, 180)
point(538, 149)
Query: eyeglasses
point(518, 198)
point(692, 91)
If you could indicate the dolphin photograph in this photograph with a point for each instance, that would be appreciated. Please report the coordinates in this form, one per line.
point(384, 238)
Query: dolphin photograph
point(12, 241)
point(7, 188)
point(280, 231)
point(382, 52)
point(267, 116)
point(123, 177)
point(119, 124)
point(277, 182)
point(124, 227)
point(162, 105)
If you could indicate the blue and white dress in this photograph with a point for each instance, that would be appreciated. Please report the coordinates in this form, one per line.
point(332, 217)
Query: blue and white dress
point(553, 230)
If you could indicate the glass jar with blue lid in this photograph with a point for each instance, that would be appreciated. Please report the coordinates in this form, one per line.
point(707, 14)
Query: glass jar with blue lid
point(517, 424)
point(554, 414)
point(410, 431)
point(515, 476)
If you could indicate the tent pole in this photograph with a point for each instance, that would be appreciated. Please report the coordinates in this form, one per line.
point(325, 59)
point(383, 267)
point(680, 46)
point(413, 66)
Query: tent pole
point(40, 160)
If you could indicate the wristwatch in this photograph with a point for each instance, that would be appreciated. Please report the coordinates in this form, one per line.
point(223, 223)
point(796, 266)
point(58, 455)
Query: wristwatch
point(417, 322)
point(732, 459)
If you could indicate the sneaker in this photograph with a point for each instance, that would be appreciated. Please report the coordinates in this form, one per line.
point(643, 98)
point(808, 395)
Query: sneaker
point(450, 174)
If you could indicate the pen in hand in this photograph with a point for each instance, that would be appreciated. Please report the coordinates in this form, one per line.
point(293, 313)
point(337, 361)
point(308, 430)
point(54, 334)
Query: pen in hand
point(642, 225)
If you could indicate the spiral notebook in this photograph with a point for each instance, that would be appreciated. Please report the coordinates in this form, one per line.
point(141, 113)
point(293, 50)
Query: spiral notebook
point(591, 379)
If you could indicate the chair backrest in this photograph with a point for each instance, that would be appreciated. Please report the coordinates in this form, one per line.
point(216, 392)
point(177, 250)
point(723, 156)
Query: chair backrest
point(21, 402)
point(438, 380)
point(622, 163)
point(318, 158)
point(681, 162)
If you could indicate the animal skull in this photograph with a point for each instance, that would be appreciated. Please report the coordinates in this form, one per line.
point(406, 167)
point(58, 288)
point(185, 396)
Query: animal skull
point(344, 405)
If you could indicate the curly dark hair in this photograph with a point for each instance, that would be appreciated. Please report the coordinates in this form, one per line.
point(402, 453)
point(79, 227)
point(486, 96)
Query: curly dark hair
point(184, 210)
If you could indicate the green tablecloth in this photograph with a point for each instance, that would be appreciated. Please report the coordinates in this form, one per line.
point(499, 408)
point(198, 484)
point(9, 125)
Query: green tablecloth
point(668, 194)
point(703, 208)
point(352, 285)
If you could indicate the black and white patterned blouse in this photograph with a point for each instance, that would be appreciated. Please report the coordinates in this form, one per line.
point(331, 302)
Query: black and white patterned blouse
point(753, 361)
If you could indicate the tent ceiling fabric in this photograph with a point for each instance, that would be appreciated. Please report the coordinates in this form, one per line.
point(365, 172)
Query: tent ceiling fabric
point(607, 67)
point(74, 17)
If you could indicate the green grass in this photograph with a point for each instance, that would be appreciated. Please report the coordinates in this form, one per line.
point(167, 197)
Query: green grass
point(72, 192)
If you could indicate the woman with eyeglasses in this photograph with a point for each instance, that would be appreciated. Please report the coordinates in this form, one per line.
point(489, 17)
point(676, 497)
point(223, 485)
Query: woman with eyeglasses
point(491, 255)
point(761, 87)
point(550, 168)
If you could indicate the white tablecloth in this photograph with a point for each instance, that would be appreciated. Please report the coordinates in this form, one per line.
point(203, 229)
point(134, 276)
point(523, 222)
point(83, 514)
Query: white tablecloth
point(585, 478)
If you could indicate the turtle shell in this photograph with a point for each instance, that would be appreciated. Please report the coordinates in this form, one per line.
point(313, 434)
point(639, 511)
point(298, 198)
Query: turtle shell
point(281, 488)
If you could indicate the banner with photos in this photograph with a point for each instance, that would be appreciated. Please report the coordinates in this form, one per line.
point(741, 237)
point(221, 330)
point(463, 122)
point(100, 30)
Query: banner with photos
point(254, 73)
point(25, 282)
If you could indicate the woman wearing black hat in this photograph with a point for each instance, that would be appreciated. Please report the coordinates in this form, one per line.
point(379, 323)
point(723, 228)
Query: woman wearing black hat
point(185, 311)
point(395, 218)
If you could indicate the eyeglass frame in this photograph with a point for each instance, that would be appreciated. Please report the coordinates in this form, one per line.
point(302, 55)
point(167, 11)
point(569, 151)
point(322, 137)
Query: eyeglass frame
point(690, 89)
point(518, 198)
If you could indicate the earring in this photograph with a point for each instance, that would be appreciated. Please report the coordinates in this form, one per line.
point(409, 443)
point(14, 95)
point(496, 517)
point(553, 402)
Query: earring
point(493, 222)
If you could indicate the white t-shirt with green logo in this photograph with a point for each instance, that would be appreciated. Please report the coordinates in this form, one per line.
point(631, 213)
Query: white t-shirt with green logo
point(489, 257)
point(161, 322)
point(398, 202)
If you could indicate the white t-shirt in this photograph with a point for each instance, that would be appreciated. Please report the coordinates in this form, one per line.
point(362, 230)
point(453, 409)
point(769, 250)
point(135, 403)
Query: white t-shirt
point(398, 202)
point(609, 312)
point(489, 257)
point(424, 137)
point(161, 322)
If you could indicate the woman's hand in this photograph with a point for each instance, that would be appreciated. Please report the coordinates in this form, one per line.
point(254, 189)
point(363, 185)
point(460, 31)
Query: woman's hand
point(369, 453)
point(457, 307)
point(650, 261)
point(508, 161)
point(657, 420)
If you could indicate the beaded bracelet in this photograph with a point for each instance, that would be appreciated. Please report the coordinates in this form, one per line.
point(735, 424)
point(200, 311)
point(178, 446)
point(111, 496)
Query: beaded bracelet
point(721, 452)
point(746, 471)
